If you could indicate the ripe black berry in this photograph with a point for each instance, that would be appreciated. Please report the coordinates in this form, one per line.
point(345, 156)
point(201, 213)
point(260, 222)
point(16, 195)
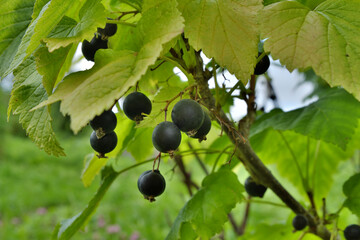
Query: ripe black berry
point(166, 137)
point(204, 129)
point(151, 184)
point(299, 222)
point(262, 66)
point(136, 105)
point(105, 144)
point(352, 232)
point(254, 189)
point(105, 122)
point(89, 48)
point(110, 29)
point(188, 116)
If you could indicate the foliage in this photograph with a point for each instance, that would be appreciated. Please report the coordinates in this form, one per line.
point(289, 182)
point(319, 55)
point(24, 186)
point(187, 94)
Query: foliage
point(306, 148)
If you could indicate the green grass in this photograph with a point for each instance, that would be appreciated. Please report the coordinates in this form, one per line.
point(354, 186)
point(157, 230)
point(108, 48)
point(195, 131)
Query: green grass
point(38, 191)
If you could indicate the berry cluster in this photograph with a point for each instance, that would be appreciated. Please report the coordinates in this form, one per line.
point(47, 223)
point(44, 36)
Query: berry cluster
point(103, 139)
point(99, 41)
point(187, 116)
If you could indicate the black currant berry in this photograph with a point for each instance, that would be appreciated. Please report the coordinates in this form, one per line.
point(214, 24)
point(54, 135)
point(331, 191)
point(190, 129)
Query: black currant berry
point(188, 115)
point(105, 144)
point(299, 222)
point(151, 184)
point(204, 129)
point(110, 29)
point(254, 189)
point(136, 105)
point(104, 123)
point(89, 48)
point(262, 66)
point(166, 137)
point(352, 232)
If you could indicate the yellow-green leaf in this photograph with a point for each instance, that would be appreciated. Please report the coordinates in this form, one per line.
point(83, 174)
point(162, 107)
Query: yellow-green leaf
point(226, 30)
point(326, 39)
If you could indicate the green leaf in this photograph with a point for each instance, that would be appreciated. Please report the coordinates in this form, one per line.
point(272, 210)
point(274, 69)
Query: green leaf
point(321, 157)
point(92, 167)
point(53, 66)
point(86, 94)
point(92, 15)
point(207, 210)
point(27, 92)
point(351, 189)
point(333, 118)
point(49, 16)
point(67, 228)
point(326, 39)
point(15, 17)
point(226, 30)
point(141, 146)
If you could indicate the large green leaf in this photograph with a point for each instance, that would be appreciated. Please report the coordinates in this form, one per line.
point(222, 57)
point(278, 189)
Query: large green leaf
point(351, 189)
point(15, 17)
point(49, 16)
point(318, 158)
point(86, 94)
point(333, 118)
point(27, 92)
point(92, 15)
point(226, 30)
point(206, 212)
point(326, 39)
point(53, 66)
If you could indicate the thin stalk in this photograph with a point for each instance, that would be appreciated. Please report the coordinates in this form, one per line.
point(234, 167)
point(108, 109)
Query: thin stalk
point(317, 149)
point(307, 161)
point(260, 57)
point(218, 158)
point(268, 203)
point(217, 94)
point(202, 165)
point(178, 65)
point(295, 161)
point(121, 22)
point(118, 106)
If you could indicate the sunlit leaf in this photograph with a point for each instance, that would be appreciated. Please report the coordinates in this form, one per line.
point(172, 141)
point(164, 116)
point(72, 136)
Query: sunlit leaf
point(39, 28)
point(27, 92)
point(326, 38)
point(86, 94)
point(226, 30)
point(92, 15)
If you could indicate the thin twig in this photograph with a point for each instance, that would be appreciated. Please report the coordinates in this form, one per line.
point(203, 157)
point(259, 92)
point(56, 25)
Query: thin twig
point(197, 157)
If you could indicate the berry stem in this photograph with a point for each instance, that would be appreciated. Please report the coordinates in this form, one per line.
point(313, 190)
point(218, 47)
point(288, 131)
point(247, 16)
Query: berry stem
point(157, 158)
point(263, 54)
